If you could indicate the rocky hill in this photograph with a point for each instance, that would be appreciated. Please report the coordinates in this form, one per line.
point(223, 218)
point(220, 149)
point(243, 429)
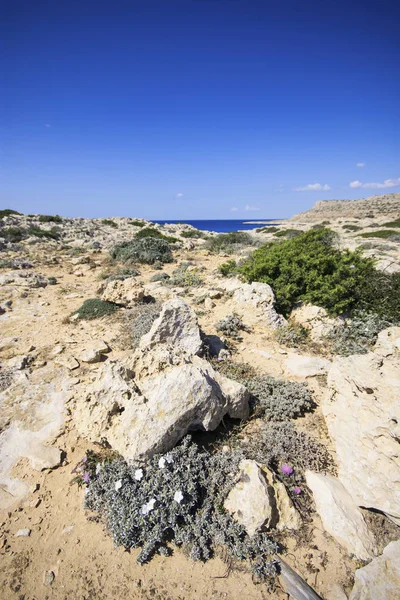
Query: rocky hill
point(386, 205)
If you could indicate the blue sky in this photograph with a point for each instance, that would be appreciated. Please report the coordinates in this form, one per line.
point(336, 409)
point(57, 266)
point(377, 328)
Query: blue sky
point(197, 108)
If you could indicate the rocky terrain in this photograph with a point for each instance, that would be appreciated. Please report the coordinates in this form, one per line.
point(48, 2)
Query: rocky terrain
point(374, 207)
point(106, 366)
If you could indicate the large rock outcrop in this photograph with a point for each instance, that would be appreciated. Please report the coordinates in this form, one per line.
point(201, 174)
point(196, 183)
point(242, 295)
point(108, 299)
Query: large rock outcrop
point(125, 292)
point(362, 413)
point(340, 516)
point(176, 326)
point(380, 580)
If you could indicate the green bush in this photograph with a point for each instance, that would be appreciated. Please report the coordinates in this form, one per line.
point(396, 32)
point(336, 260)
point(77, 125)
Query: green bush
point(13, 234)
point(150, 232)
point(110, 223)
point(50, 219)
point(137, 223)
point(192, 233)
point(267, 229)
point(6, 212)
point(94, 308)
point(288, 233)
point(148, 250)
point(228, 269)
point(395, 223)
point(351, 227)
point(182, 277)
point(385, 234)
point(356, 335)
point(53, 234)
point(292, 335)
point(230, 243)
point(380, 295)
point(312, 269)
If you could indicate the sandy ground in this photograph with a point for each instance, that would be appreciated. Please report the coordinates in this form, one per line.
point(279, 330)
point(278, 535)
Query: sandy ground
point(68, 554)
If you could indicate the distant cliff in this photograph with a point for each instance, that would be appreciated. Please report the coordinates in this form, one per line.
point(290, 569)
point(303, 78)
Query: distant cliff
point(386, 205)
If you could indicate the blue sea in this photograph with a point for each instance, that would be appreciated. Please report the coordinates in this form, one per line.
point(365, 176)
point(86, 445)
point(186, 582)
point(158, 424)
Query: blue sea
point(223, 226)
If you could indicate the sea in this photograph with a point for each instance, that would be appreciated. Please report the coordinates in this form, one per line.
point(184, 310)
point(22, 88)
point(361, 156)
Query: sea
point(224, 225)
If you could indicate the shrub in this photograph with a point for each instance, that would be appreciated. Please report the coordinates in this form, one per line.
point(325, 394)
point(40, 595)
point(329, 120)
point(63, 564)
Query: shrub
point(351, 227)
point(6, 212)
point(230, 326)
point(155, 233)
point(52, 280)
point(110, 223)
point(380, 295)
point(121, 274)
point(182, 277)
point(385, 234)
point(52, 234)
point(228, 269)
point(230, 243)
point(288, 233)
point(192, 233)
point(292, 335)
point(395, 223)
point(159, 277)
point(147, 250)
point(94, 308)
point(177, 497)
point(50, 219)
point(310, 268)
point(140, 319)
point(137, 223)
point(13, 234)
point(356, 335)
point(267, 229)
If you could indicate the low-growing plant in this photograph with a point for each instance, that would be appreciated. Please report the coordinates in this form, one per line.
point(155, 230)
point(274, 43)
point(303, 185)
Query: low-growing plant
point(292, 335)
point(52, 280)
point(228, 268)
point(385, 234)
point(351, 227)
point(137, 223)
point(110, 223)
point(395, 223)
point(288, 233)
point(140, 319)
point(184, 276)
point(230, 326)
point(231, 242)
point(52, 234)
point(13, 234)
point(147, 251)
point(357, 334)
point(192, 233)
point(159, 277)
point(311, 268)
point(94, 308)
point(267, 229)
point(156, 233)
point(176, 498)
point(50, 219)
point(7, 212)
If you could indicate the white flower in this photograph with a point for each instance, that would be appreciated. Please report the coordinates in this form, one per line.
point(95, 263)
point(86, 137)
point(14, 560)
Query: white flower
point(161, 462)
point(118, 485)
point(178, 496)
point(99, 466)
point(146, 508)
point(352, 266)
point(138, 474)
point(169, 459)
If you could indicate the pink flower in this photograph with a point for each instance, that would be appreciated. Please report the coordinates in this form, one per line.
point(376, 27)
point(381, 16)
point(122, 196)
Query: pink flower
point(86, 477)
point(297, 490)
point(286, 469)
point(84, 459)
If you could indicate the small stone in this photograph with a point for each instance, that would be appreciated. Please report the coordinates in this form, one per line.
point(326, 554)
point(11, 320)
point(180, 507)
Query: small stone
point(48, 577)
point(23, 533)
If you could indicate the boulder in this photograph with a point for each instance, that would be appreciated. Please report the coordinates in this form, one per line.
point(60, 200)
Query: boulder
point(124, 292)
point(258, 501)
point(176, 326)
point(388, 341)
point(256, 296)
point(340, 516)
point(380, 580)
point(93, 351)
point(362, 413)
point(306, 366)
point(151, 414)
point(315, 319)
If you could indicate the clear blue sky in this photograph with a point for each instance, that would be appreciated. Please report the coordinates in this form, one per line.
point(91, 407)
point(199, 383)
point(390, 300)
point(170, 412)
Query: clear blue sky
point(192, 108)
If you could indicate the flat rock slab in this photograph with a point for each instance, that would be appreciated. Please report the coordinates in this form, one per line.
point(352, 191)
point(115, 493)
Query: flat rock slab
point(306, 366)
point(380, 580)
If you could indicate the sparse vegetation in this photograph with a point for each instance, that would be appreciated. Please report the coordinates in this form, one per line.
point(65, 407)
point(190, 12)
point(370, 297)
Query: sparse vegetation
point(110, 223)
point(356, 335)
point(229, 243)
point(229, 268)
point(156, 233)
point(287, 233)
point(181, 502)
point(140, 319)
point(137, 223)
point(193, 233)
point(185, 276)
point(148, 250)
point(292, 335)
point(351, 227)
point(395, 223)
point(267, 229)
point(230, 326)
point(50, 219)
point(94, 308)
point(7, 212)
point(385, 234)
